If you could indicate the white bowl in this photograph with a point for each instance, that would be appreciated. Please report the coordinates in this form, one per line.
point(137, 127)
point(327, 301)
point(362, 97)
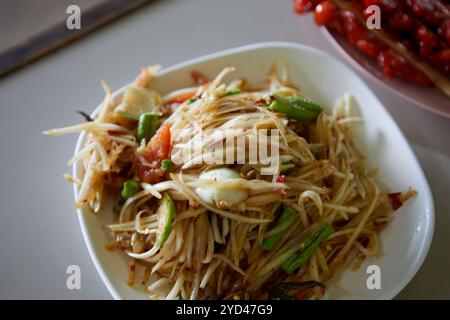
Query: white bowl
point(404, 242)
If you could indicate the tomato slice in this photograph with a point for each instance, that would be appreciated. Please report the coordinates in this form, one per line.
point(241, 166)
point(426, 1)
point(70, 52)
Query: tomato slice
point(148, 164)
point(325, 13)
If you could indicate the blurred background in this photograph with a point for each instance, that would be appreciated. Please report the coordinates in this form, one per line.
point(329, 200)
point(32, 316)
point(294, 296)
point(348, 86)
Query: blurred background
point(21, 19)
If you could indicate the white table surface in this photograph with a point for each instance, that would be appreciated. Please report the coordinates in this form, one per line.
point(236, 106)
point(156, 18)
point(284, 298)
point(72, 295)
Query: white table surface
point(39, 231)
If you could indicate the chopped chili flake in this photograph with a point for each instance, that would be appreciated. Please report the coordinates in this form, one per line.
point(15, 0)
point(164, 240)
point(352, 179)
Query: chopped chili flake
point(198, 77)
point(396, 200)
point(301, 294)
point(261, 102)
point(270, 99)
point(112, 133)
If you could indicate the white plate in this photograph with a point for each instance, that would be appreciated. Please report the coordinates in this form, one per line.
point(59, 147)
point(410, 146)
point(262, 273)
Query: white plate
point(405, 241)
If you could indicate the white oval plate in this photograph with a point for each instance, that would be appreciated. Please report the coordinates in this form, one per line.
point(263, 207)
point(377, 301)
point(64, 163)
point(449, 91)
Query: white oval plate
point(404, 242)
